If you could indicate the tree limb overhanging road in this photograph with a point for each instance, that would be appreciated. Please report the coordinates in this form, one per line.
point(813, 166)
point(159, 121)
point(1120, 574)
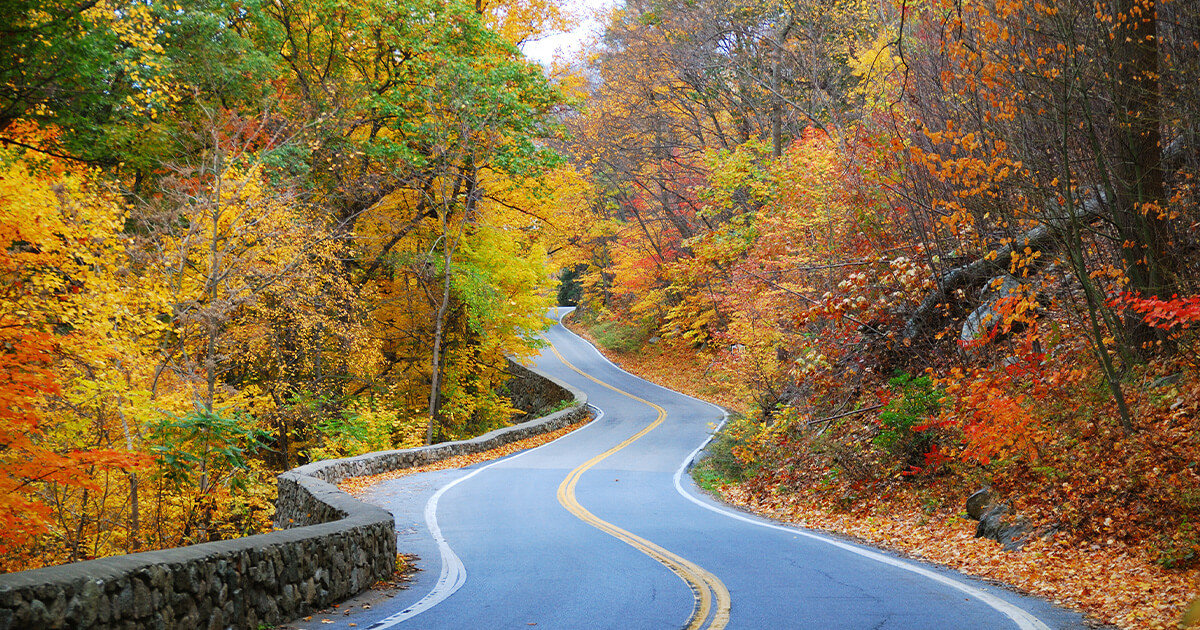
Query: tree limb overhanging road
point(603, 528)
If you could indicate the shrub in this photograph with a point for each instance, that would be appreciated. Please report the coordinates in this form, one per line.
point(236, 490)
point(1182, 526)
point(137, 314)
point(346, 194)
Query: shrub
point(902, 419)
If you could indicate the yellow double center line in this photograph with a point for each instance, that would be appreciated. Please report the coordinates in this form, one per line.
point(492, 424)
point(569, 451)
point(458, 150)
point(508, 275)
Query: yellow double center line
point(708, 590)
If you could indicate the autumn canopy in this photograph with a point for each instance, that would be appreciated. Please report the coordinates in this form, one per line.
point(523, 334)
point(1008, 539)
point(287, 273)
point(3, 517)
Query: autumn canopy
point(920, 247)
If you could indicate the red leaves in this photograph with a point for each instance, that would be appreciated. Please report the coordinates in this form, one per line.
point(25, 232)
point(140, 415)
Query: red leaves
point(936, 457)
point(1175, 313)
point(25, 358)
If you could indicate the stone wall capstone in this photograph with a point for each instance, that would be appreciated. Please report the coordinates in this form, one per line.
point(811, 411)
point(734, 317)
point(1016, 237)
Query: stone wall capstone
point(333, 547)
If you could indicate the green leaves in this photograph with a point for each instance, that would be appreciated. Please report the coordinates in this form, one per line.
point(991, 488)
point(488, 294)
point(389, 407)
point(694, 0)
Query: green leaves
point(902, 417)
point(216, 442)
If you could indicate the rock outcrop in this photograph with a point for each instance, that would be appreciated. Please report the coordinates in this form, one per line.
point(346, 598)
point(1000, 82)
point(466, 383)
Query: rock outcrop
point(996, 520)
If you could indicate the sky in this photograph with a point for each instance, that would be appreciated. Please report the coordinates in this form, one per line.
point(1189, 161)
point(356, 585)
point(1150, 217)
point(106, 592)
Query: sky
point(544, 50)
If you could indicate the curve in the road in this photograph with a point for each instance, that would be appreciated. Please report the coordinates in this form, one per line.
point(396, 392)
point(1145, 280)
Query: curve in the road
point(1022, 618)
point(704, 585)
point(708, 589)
point(1019, 616)
point(453, 574)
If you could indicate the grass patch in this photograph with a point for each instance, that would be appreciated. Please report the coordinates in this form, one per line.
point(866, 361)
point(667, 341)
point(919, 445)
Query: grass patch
point(720, 466)
point(619, 336)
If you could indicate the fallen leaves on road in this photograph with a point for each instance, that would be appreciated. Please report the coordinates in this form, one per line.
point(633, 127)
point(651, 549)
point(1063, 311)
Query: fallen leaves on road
point(406, 567)
point(356, 486)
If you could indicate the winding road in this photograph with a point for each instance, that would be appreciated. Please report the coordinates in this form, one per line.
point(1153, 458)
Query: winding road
point(603, 528)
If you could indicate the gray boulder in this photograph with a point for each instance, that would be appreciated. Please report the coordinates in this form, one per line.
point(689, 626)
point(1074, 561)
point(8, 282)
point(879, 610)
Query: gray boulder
point(986, 316)
point(999, 525)
point(980, 502)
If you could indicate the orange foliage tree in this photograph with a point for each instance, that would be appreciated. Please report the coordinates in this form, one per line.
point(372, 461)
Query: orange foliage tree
point(56, 225)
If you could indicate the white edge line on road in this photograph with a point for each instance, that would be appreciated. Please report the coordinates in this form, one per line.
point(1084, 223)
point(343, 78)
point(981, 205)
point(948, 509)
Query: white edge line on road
point(454, 574)
point(1023, 618)
point(1020, 616)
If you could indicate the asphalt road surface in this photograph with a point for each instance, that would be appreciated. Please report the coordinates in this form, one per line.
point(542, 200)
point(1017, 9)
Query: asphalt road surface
point(603, 528)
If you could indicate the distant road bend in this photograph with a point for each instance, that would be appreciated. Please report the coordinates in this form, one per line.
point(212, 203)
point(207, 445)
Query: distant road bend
point(603, 528)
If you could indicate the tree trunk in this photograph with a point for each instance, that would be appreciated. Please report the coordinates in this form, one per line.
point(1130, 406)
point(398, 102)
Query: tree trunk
point(435, 362)
point(776, 98)
point(1145, 234)
point(470, 175)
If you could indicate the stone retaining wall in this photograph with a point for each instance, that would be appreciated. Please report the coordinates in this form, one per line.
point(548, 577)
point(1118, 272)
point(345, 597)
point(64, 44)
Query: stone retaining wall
point(234, 583)
point(335, 546)
point(532, 393)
